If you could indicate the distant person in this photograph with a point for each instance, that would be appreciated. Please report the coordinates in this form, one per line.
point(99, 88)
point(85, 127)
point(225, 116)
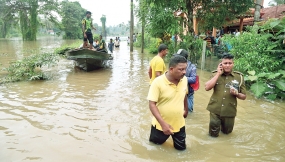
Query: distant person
point(173, 38)
point(191, 78)
point(228, 85)
point(168, 104)
point(102, 47)
point(210, 41)
point(217, 40)
point(96, 43)
point(111, 45)
point(87, 25)
point(134, 37)
point(128, 40)
point(178, 38)
point(117, 43)
point(157, 66)
point(237, 33)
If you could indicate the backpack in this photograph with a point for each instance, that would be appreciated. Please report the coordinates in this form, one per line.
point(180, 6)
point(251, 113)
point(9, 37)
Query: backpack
point(195, 85)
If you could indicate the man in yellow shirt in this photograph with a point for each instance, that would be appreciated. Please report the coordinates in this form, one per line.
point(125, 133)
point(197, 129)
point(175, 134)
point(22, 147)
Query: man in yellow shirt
point(157, 66)
point(168, 104)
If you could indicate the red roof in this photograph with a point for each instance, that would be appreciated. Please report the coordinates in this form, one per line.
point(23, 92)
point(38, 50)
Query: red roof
point(274, 12)
point(265, 13)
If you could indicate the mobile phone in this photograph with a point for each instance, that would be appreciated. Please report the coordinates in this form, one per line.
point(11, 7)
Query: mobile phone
point(221, 67)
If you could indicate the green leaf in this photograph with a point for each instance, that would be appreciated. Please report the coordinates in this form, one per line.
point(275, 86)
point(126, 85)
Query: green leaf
point(262, 74)
point(245, 78)
point(280, 84)
point(273, 75)
point(274, 23)
point(258, 88)
point(251, 72)
point(282, 72)
point(272, 96)
point(252, 78)
point(281, 94)
point(271, 47)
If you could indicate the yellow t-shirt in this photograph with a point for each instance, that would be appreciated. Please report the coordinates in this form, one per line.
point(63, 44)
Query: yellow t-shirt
point(170, 101)
point(157, 64)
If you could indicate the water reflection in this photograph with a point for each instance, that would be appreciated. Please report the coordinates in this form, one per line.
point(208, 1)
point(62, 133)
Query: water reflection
point(103, 115)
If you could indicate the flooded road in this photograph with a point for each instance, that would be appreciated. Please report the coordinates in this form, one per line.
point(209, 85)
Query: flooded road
point(103, 115)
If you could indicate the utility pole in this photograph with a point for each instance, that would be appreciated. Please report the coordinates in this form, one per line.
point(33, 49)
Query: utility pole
point(142, 8)
point(132, 27)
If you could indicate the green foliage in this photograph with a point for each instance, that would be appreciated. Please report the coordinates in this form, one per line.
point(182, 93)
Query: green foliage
point(217, 13)
point(7, 19)
point(25, 13)
point(103, 21)
point(153, 46)
point(194, 46)
point(72, 14)
point(256, 51)
point(61, 50)
point(29, 68)
point(276, 2)
point(258, 88)
point(269, 85)
point(260, 53)
point(160, 18)
point(118, 30)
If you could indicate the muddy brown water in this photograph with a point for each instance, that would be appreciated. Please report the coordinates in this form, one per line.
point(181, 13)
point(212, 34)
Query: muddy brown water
point(103, 115)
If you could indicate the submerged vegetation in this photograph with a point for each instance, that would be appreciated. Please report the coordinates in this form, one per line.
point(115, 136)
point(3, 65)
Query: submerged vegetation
point(61, 50)
point(29, 68)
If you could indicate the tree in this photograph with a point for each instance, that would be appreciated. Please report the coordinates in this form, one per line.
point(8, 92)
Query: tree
point(103, 20)
point(72, 14)
point(7, 19)
point(142, 13)
point(212, 13)
point(27, 11)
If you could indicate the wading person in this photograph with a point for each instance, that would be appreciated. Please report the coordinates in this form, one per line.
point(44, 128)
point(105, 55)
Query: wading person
point(168, 104)
point(157, 66)
point(111, 45)
point(86, 29)
point(191, 78)
point(228, 85)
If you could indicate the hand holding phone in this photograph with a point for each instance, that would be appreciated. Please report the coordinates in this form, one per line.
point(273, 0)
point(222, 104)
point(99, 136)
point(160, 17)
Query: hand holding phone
point(220, 68)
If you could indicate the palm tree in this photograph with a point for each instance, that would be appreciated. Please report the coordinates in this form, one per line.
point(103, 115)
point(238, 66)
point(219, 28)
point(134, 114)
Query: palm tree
point(103, 20)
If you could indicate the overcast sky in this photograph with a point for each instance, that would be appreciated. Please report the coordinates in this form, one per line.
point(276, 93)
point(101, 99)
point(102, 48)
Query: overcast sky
point(116, 11)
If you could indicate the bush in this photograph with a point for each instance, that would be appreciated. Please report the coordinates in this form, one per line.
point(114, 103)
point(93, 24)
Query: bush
point(29, 68)
point(259, 53)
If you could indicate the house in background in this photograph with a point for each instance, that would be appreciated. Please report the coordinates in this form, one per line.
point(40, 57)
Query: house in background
point(265, 14)
point(241, 21)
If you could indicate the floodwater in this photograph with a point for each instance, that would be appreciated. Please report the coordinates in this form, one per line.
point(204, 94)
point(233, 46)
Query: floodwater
point(103, 115)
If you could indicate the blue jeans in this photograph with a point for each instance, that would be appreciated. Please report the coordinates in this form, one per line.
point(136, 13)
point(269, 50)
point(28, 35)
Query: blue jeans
point(190, 102)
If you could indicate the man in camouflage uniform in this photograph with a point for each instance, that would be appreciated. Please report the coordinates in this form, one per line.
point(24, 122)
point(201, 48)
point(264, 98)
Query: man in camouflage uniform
point(223, 102)
point(86, 29)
